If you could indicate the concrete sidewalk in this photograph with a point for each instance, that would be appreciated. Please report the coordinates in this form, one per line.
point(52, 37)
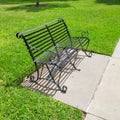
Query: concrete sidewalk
point(82, 84)
point(106, 102)
point(95, 89)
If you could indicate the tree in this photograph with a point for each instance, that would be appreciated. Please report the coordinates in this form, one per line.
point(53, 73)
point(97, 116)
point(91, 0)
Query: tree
point(37, 3)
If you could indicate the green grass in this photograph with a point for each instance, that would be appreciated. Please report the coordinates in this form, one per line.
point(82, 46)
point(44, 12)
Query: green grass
point(18, 103)
point(100, 17)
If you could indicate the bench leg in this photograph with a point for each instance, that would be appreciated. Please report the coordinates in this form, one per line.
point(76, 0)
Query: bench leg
point(63, 89)
point(75, 67)
point(32, 78)
point(88, 54)
point(84, 43)
point(38, 76)
point(73, 64)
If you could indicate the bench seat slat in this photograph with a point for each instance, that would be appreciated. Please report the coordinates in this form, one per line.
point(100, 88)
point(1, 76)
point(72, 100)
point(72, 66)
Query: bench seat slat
point(58, 31)
point(54, 23)
point(40, 52)
point(61, 33)
point(31, 32)
point(42, 43)
point(57, 28)
point(36, 36)
point(39, 39)
point(62, 39)
point(47, 45)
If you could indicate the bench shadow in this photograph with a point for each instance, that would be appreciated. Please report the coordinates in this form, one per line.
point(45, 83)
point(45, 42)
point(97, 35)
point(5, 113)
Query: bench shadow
point(33, 8)
point(49, 88)
point(109, 2)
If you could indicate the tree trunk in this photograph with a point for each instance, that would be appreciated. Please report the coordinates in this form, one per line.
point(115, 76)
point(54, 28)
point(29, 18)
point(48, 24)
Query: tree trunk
point(37, 3)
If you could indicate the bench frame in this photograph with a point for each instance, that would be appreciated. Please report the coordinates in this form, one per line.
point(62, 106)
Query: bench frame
point(61, 58)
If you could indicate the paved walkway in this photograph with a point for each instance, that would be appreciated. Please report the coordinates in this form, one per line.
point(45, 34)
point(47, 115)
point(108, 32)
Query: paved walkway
point(106, 102)
point(83, 84)
point(95, 89)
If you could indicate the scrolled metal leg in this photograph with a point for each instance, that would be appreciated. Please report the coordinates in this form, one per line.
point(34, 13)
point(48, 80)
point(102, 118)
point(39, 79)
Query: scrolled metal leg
point(63, 89)
point(88, 54)
point(32, 79)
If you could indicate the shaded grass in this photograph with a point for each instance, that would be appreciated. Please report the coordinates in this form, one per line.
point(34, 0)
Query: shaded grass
point(109, 2)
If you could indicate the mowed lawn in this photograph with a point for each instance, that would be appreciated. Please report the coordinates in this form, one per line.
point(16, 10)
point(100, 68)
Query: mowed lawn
point(100, 17)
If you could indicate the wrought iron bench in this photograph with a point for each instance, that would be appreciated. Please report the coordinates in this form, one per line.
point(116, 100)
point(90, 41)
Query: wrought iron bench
point(52, 46)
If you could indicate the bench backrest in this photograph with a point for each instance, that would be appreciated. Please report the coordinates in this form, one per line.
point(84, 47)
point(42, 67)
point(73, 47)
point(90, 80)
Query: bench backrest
point(45, 37)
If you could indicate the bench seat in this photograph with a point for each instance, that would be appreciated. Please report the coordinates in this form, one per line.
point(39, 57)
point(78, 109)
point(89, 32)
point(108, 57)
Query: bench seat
point(52, 45)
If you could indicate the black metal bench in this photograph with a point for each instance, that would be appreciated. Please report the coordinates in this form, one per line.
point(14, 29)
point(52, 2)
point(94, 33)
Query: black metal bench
point(52, 46)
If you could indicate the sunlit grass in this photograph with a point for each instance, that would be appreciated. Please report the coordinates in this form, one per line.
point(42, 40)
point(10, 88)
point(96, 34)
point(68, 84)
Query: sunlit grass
point(101, 20)
point(17, 103)
point(99, 17)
